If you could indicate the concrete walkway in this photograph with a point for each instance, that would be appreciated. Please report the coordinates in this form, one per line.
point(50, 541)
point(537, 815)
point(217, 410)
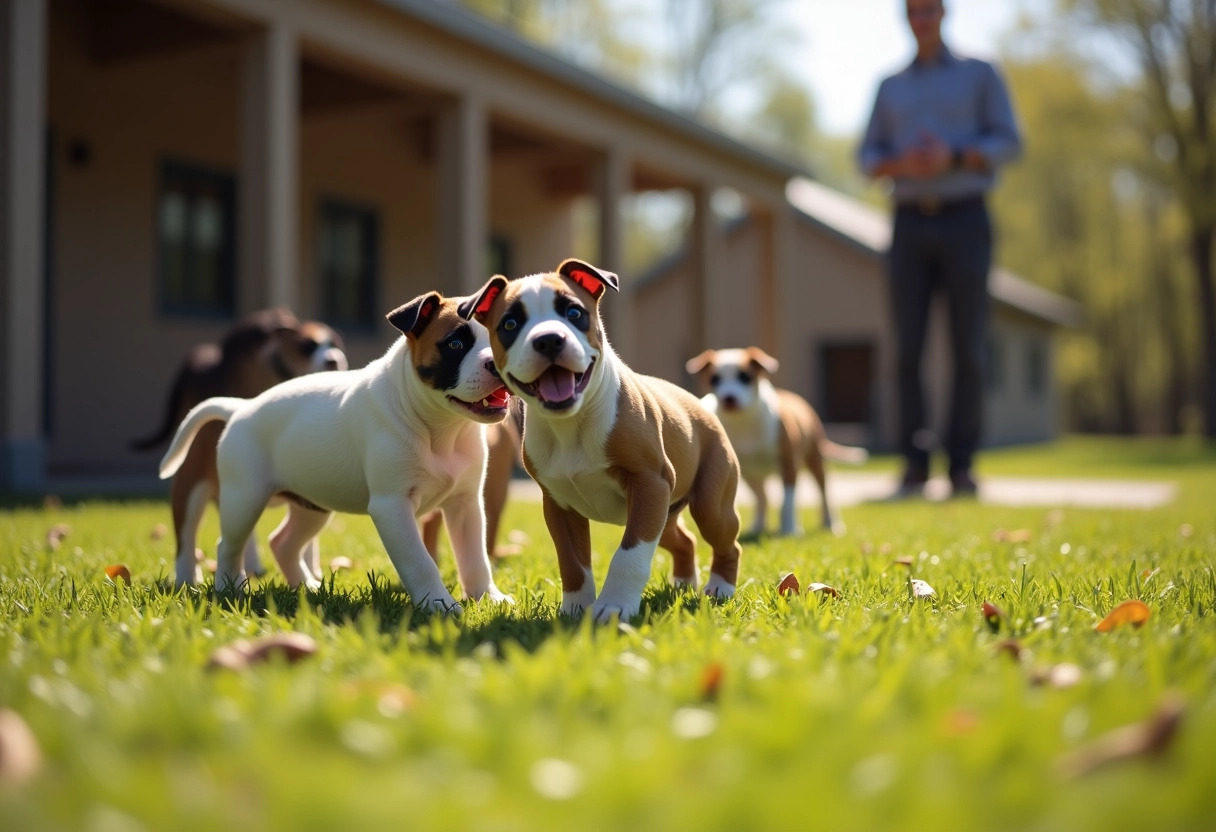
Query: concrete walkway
point(853, 487)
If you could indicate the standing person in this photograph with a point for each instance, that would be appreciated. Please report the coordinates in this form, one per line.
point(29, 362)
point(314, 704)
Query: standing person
point(940, 128)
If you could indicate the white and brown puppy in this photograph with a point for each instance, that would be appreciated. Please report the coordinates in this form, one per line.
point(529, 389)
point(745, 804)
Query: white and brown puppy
point(259, 351)
point(399, 438)
point(607, 444)
point(773, 431)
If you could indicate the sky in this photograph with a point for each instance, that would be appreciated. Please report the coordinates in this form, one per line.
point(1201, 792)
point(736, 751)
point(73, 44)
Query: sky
point(850, 45)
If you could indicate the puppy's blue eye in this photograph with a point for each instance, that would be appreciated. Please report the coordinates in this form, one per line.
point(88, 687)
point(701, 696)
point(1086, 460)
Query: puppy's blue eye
point(455, 344)
point(574, 314)
point(509, 324)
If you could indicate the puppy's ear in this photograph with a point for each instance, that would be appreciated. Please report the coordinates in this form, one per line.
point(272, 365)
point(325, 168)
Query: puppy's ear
point(413, 317)
point(693, 366)
point(589, 277)
point(478, 304)
point(762, 360)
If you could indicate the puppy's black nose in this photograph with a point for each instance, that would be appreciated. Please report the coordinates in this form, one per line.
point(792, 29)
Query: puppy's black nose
point(331, 363)
point(549, 344)
point(730, 402)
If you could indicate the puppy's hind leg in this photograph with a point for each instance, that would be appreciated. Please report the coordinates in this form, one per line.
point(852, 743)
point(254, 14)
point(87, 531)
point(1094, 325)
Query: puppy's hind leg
point(713, 508)
point(299, 528)
point(189, 503)
point(756, 485)
point(815, 462)
point(678, 540)
point(239, 512)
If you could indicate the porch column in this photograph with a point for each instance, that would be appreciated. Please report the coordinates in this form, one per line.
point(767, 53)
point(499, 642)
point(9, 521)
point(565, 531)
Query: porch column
point(777, 235)
point(611, 181)
point(270, 170)
point(22, 227)
point(462, 163)
point(704, 246)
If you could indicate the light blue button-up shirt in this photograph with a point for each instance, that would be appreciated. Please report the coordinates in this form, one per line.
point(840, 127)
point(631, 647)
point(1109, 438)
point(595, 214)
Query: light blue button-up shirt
point(961, 100)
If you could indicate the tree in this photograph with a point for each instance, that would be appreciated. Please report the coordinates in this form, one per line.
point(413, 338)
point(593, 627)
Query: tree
point(1174, 42)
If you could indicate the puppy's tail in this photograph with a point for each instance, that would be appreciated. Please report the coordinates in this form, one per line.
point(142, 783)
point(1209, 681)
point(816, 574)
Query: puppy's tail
point(842, 453)
point(218, 409)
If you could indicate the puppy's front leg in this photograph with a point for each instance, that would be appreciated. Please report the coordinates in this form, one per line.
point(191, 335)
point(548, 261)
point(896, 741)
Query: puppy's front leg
point(648, 498)
point(571, 535)
point(393, 517)
point(466, 527)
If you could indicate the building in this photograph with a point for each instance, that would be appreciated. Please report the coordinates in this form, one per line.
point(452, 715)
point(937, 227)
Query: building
point(167, 165)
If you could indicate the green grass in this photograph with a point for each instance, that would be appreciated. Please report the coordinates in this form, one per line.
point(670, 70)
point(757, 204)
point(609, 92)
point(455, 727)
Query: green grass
point(870, 711)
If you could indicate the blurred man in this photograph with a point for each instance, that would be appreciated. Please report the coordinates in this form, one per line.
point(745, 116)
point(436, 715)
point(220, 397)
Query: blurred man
point(940, 128)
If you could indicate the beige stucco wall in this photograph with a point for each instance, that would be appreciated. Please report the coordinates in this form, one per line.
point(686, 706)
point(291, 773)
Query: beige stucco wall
point(114, 352)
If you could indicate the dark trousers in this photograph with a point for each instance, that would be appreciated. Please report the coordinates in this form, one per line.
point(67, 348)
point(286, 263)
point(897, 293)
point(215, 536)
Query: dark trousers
point(948, 251)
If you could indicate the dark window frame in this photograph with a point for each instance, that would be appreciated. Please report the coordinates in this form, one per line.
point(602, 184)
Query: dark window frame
point(191, 176)
point(368, 217)
point(1037, 368)
point(500, 255)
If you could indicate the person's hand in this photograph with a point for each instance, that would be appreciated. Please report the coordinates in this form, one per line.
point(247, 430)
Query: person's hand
point(929, 159)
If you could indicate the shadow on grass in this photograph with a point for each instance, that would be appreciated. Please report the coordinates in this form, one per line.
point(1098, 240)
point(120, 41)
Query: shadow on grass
point(528, 624)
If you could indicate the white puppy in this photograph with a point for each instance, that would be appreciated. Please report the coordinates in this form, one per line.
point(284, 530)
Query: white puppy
point(395, 440)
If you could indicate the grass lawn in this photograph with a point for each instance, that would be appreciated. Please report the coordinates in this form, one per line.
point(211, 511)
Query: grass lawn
point(873, 710)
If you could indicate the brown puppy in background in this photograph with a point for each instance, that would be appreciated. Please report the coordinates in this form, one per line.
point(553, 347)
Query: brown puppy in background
point(259, 351)
point(772, 430)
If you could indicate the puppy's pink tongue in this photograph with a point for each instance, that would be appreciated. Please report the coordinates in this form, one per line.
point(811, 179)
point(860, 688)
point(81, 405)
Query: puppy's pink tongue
point(556, 385)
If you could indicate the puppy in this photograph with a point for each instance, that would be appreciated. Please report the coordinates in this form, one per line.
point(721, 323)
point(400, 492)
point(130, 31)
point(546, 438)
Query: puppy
point(607, 444)
point(401, 437)
point(261, 350)
point(772, 430)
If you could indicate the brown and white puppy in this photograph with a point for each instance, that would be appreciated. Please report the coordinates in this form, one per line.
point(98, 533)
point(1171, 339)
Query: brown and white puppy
point(259, 351)
point(399, 438)
point(607, 444)
point(773, 431)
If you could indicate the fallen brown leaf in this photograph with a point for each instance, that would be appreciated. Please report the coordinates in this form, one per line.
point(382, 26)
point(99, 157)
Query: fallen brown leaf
point(920, 589)
point(507, 550)
point(56, 534)
point(1012, 535)
point(239, 655)
point(119, 572)
point(824, 588)
point(159, 531)
point(1148, 573)
point(20, 757)
point(711, 681)
point(1186, 530)
point(960, 722)
point(903, 561)
point(1149, 739)
point(210, 564)
point(789, 585)
point(992, 615)
point(1012, 648)
point(340, 562)
point(1129, 612)
point(1062, 676)
point(51, 502)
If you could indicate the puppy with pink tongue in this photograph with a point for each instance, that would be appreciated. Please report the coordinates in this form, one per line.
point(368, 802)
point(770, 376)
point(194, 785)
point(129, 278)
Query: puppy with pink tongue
point(608, 444)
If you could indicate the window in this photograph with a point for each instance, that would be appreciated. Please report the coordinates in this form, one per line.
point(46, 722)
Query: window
point(1036, 368)
point(195, 240)
point(498, 256)
point(848, 377)
point(995, 364)
point(349, 239)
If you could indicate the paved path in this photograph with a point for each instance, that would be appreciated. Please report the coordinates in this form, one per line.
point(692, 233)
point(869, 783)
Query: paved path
point(853, 487)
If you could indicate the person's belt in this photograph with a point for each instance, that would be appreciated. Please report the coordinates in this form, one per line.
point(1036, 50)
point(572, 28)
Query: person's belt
point(931, 206)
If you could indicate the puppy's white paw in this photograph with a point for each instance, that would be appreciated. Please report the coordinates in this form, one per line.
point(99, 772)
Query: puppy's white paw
point(718, 587)
point(573, 607)
point(604, 613)
point(495, 596)
point(444, 606)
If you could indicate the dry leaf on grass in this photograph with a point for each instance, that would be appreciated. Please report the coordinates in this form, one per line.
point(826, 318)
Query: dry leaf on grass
point(20, 757)
point(904, 561)
point(920, 589)
point(789, 585)
point(56, 534)
point(1149, 739)
point(824, 588)
point(992, 615)
point(119, 572)
point(1012, 648)
point(51, 502)
point(711, 681)
point(1062, 676)
point(211, 564)
point(159, 531)
point(1186, 530)
point(1012, 535)
point(507, 550)
point(239, 655)
point(1129, 612)
point(340, 562)
point(1148, 573)
point(960, 722)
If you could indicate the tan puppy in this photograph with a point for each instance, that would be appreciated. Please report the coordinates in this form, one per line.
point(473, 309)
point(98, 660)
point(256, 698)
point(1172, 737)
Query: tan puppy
point(607, 444)
point(396, 439)
point(772, 430)
point(259, 351)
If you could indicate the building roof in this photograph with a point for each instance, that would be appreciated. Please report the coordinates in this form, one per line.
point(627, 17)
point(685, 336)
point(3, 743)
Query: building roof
point(475, 29)
point(869, 229)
